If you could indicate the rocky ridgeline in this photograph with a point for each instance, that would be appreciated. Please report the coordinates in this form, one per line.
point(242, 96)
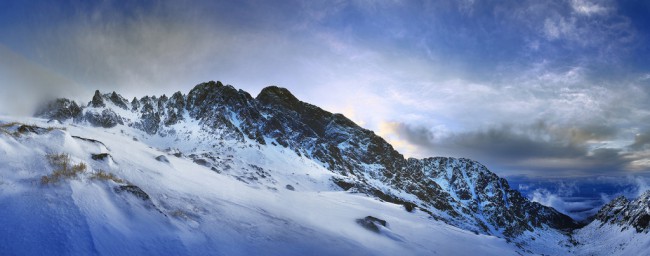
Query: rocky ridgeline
point(460, 192)
point(626, 213)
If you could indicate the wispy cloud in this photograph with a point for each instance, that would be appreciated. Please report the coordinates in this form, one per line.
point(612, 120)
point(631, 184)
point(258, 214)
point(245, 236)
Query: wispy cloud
point(587, 7)
point(580, 198)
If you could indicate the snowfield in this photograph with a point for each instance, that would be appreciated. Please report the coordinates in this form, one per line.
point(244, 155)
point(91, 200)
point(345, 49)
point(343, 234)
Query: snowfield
point(269, 201)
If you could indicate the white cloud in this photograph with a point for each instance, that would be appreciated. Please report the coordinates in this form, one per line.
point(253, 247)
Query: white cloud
point(587, 7)
point(559, 27)
point(577, 209)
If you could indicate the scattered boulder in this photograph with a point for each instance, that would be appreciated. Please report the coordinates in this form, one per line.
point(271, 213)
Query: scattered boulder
point(409, 207)
point(201, 161)
point(100, 157)
point(133, 189)
point(345, 185)
point(289, 187)
point(24, 129)
point(372, 223)
point(140, 194)
point(174, 151)
point(162, 158)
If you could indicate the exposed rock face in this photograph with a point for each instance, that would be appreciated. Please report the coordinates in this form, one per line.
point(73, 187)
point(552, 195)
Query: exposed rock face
point(150, 119)
point(135, 104)
point(473, 194)
point(100, 157)
point(460, 192)
point(98, 101)
point(174, 109)
point(106, 119)
point(60, 109)
point(134, 190)
point(625, 213)
point(118, 100)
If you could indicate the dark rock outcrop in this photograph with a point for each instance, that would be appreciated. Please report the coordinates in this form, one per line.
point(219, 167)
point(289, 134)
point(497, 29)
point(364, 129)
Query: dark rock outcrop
point(134, 190)
point(150, 118)
point(135, 104)
point(25, 129)
point(372, 223)
point(162, 158)
point(89, 140)
point(60, 109)
point(106, 119)
point(118, 100)
point(174, 109)
point(97, 101)
point(626, 214)
point(100, 157)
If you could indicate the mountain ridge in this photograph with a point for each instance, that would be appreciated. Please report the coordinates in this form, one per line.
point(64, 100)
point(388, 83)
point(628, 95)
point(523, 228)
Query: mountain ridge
point(627, 213)
point(475, 200)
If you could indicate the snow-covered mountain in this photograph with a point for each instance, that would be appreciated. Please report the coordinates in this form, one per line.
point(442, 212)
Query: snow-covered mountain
point(627, 214)
point(620, 228)
point(218, 172)
point(459, 191)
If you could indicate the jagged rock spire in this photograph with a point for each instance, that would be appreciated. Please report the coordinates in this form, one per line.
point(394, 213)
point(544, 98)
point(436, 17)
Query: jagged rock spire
point(626, 213)
point(118, 100)
point(135, 104)
point(97, 101)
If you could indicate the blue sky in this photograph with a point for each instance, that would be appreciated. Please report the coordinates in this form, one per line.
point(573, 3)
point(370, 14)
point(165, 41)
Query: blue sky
point(536, 90)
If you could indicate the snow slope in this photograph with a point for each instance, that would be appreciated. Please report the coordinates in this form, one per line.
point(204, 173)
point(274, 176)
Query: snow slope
point(214, 124)
point(217, 172)
point(608, 239)
point(191, 209)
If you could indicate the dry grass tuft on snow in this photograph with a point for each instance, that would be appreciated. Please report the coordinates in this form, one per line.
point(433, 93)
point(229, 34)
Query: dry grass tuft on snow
point(63, 168)
point(102, 175)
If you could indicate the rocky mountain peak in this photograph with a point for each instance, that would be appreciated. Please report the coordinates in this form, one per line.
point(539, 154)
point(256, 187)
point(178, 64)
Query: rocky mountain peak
point(277, 95)
point(626, 213)
point(60, 109)
point(645, 196)
point(135, 104)
point(97, 101)
point(118, 100)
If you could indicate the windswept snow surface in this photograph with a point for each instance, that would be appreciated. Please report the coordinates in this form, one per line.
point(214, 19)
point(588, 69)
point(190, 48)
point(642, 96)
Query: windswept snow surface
point(610, 239)
point(243, 207)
